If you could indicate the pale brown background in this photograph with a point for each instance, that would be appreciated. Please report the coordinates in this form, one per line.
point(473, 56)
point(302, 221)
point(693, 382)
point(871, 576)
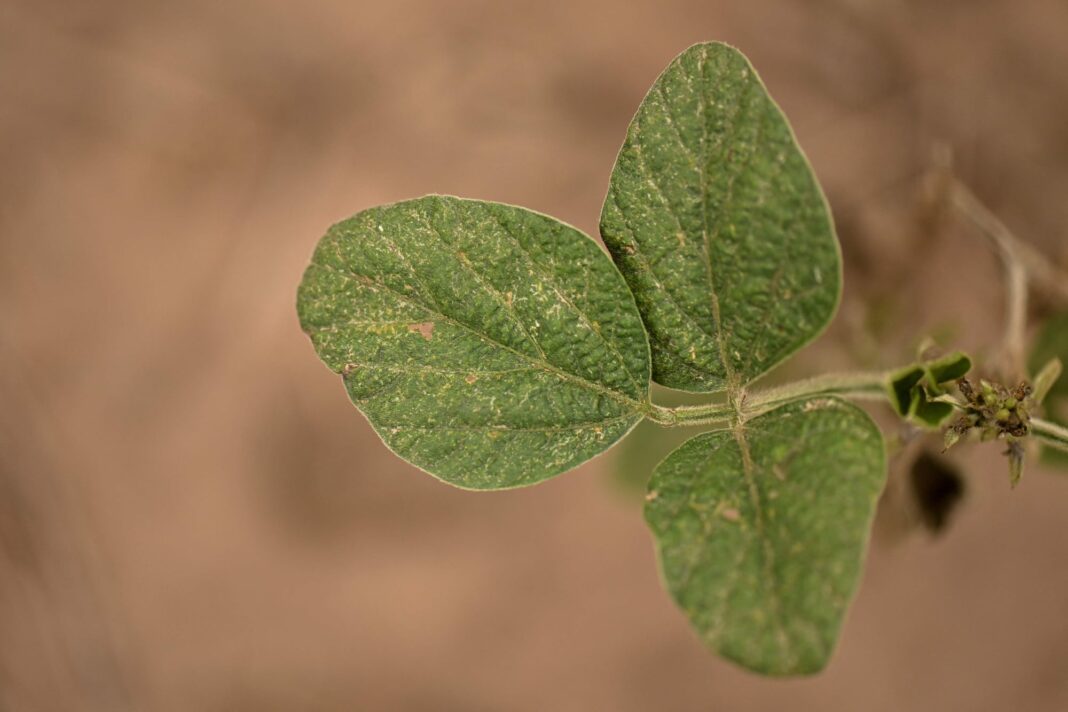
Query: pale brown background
point(192, 516)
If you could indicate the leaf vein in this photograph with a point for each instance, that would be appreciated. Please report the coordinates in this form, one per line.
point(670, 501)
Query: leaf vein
point(551, 282)
point(367, 283)
point(489, 288)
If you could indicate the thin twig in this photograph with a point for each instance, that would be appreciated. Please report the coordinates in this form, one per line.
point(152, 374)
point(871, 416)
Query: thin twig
point(1043, 273)
point(1009, 250)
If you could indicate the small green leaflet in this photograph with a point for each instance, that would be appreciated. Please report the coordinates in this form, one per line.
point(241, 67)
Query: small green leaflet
point(912, 387)
point(718, 224)
point(489, 345)
point(761, 531)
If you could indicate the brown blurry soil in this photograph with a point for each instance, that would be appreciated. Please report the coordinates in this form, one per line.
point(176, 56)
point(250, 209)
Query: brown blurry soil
point(193, 517)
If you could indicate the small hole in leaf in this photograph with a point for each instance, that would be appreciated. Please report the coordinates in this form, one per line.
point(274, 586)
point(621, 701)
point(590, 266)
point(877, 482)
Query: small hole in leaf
point(937, 488)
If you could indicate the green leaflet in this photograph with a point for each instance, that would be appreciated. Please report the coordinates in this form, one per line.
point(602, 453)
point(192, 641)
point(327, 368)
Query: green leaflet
point(489, 345)
point(1052, 342)
point(718, 224)
point(911, 388)
point(761, 532)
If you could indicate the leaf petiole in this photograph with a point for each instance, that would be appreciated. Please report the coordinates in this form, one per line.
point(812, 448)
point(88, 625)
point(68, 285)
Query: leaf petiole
point(857, 386)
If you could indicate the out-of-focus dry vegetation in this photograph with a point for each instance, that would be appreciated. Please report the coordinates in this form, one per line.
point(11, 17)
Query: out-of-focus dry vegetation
point(192, 517)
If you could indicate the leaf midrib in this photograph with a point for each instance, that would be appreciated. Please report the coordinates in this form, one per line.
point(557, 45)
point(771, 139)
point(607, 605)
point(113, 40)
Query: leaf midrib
point(504, 428)
point(743, 104)
point(767, 550)
point(635, 405)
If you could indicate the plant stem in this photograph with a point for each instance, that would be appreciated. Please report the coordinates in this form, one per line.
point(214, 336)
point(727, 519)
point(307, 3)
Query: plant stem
point(749, 405)
point(1010, 251)
point(1050, 433)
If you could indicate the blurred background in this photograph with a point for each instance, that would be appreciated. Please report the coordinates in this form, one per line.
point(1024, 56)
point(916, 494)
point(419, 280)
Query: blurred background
point(192, 515)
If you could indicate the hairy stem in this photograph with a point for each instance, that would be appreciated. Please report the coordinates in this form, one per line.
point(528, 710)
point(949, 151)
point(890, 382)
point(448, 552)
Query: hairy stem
point(1050, 433)
point(858, 386)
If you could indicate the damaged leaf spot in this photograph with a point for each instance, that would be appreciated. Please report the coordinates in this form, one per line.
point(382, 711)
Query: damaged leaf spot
point(731, 514)
point(423, 328)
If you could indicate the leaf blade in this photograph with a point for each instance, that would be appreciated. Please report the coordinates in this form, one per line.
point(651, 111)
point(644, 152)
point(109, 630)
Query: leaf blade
point(489, 345)
point(763, 569)
point(716, 220)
